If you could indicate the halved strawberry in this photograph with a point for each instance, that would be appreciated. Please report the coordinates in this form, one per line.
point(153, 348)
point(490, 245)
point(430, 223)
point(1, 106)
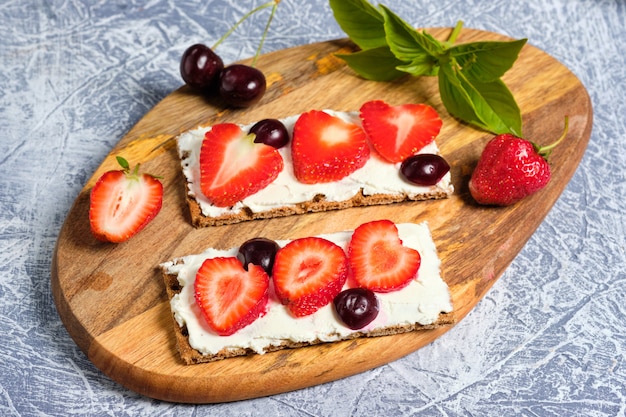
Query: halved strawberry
point(397, 132)
point(230, 297)
point(122, 203)
point(308, 273)
point(378, 259)
point(233, 166)
point(326, 148)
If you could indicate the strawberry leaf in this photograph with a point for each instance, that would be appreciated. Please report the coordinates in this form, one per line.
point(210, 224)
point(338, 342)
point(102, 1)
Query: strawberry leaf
point(123, 163)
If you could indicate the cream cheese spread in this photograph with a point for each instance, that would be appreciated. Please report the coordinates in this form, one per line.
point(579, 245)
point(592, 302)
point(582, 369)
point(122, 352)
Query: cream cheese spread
point(420, 302)
point(375, 177)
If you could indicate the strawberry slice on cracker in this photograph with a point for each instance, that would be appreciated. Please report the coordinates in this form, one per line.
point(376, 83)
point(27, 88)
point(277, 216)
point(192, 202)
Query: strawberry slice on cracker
point(233, 166)
point(230, 297)
point(397, 132)
point(326, 148)
point(308, 273)
point(378, 259)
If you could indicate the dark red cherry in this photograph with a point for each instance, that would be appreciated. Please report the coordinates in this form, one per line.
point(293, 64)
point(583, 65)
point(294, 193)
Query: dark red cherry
point(258, 251)
point(356, 307)
point(241, 85)
point(200, 67)
point(270, 132)
point(424, 169)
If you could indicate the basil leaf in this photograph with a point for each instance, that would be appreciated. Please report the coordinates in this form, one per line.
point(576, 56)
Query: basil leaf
point(495, 105)
point(470, 83)
point(455, 98)
point(490, 105)
point(362, 22)
point(377, 64)
point(487, 61)
point(411, 46)
point(421, 65)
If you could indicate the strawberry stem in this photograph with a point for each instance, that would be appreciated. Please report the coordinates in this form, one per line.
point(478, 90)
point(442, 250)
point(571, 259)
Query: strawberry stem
point(243, 18)
point(546, 150)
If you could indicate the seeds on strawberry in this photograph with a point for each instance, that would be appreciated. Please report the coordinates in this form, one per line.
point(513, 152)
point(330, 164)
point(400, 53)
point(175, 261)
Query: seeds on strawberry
point(230, 297)
point(325, 148)
point(397, 132)
point(122, 203)
point(233, 167)
point(308, 273)
point(511, 168)
point(378, 259)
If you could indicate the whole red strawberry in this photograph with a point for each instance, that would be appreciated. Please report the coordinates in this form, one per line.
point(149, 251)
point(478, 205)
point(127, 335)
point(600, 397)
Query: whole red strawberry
point(509, 169)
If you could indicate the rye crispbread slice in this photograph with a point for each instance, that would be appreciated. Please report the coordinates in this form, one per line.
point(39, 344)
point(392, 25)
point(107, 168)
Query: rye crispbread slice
point(317, 204)
point(191, 356)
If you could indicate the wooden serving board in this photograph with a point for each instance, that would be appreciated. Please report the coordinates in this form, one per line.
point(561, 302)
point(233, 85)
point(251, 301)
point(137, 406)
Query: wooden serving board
point(111, 297)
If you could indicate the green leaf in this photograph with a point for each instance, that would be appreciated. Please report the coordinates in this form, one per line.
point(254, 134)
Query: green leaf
point(495, 105)
point(487, 61)
point(455, 98)
point(123, 162)
point(362, 22)
point(490, 106)
point(421, 65)
point(377, 64)
point(409, 45)
point(470, 83)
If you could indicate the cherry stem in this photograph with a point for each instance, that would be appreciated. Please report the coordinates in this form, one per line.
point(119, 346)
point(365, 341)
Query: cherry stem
point(243, 18)
point(545, 150)
point(267, 28)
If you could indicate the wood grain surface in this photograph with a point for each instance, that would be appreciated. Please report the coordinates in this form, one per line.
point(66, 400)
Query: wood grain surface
point(111, 298)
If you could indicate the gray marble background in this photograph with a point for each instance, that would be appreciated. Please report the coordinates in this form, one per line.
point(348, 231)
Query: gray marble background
point(548, 340)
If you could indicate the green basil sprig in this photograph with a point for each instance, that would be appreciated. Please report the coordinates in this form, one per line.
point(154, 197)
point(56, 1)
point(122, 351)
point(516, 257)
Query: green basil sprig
point(469, 74)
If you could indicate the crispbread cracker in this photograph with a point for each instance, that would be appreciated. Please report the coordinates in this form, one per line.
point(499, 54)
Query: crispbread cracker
point(392, 189)
point(424, 303)
point(191, 356)
point(319, 203)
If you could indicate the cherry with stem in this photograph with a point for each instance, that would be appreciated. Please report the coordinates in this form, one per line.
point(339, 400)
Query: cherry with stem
point(239, 85)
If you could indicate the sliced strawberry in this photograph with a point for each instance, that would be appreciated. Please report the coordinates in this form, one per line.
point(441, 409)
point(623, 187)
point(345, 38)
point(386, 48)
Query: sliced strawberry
point(123, 202)
point(378, 259)
point(230, 297)
point(232, 166)
point(308, 273)
point(326, 148)
point(397, 132)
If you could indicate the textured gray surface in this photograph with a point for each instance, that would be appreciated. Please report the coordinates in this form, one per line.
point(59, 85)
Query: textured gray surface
point(548, 340)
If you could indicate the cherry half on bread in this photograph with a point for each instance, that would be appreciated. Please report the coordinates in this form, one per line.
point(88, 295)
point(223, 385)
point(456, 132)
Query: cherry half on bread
point(258, 251)
point(238, 85)
point(356, 307)
point(270, 132)
point(424, 169)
